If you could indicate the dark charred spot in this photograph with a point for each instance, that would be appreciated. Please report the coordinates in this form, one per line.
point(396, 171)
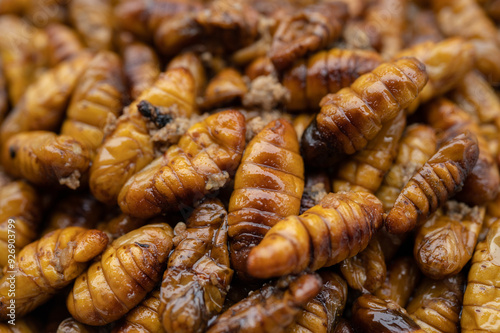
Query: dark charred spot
point(154, 113)
point(146, 246)
point(12, 152)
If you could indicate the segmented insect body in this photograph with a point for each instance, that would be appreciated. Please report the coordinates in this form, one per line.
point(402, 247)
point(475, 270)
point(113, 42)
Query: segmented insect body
point(365, 271)
point(441, 177)
point(446, 63)
point(203, 160)
point(191, 62)
point(120, 225)
point(63, 43)
point(401, 279)
point(321, 313)
point(141, 67)
point(268, 187)
point(481, 311)
point(436, 305)
point(325, 72)
point(483, 182)
point(339, 227)
point(46, 266)
point(372, 314)
point(129, 149)
point(19, 202)
point(418, 144)
point(97, 97)
point(129, 268)
point(195, 284)
point(312, 28)
point(353, 116)
point(224, 88)
point(143, 317)
point(91, 19)
point(45, 158)
point(271, 308)
point(365, 170)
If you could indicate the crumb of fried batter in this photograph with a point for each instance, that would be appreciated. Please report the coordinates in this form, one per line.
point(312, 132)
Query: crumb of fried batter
point(266, 92)
point(72, 181)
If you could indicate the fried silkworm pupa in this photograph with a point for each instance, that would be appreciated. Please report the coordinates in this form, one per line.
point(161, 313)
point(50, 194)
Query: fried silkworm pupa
point(481, 310)
point(45, 158)
point(446, 63)
point(43, 104)
point(365, 170)
point(75, 210)
point(441, 177)
point(401, 279)
point(261, 66)
point(97, 97)
point(19, 202)
point(197, 279)
point(476, 96)
point(128, 148)
point(192, 62)
point(143, 318)
point(268, 187)
point(446, 242)
point(202, 162)
point(482, 184)
point(129, 269)
point(312, 28)
point(321, 313)
point(487, 52)
point(343, 326)
point(418, 144)
point(70, 325)
point(388, 19)
point(225, 88)
point(91, 19)
point(372, 314)
point(141, 67)
point(120, 225)
point(48, 265)
point(436, 305)
point(317, 186)
point(353, 116)
point(325, 72)
point(63, 43)
point(271, 308)
point(366, 271)
point(339, 227)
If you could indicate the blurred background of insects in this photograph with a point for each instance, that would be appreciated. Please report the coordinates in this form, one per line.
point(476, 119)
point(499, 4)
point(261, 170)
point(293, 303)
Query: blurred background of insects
point(250, 165)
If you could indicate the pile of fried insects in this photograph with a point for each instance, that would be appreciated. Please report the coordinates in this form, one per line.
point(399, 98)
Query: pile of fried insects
point(250, 166)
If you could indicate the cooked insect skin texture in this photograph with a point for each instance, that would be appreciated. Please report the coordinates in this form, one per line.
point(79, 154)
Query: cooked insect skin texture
point(261, 66)
point(446, 62)
point(268, 187)
point(481, 311)
point(365, 170)
point(141, 67)
point(45, 158)
point(97, 96)
point(129, 268)
point(75, 210)
point(343, 326)
point(325, 72)
point(353, 116)
point(143, 318)
point(129, 149)
point(44, 102)
point(271, 308)
point(372, 314)
point(339, 227)
point(20, 202)
point(311, 29)
point(482, 184)
point(46, 266)
point(203, 160)
point(226, 87)
point(120, 225)
point(91, 19)
point(317, 186)
point(191, 62)
point(321, 313)
point(436, 305)
point(365, 271)
point(70, 325)
point(441, 177)
point(418, 144)
point(401, 279)
point(63, 43)
point(197, 279)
